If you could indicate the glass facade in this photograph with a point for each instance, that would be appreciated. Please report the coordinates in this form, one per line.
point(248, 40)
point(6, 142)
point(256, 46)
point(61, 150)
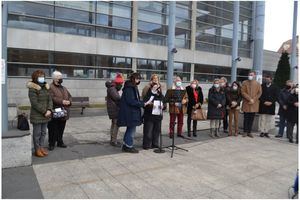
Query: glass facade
point(113, 20)
point(214, 27)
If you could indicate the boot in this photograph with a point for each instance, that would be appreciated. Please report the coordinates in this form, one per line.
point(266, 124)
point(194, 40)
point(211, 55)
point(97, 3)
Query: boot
point(211, 133)
point(44, 151)
point(217, 132)
point(189, 133)
point(38, 153)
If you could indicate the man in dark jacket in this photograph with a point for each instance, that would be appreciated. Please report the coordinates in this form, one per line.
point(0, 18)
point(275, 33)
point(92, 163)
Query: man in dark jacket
point(282, 100)
point(292, 114)
point(112, 102)
point(195, 97)
point(267, 102)
point(130, 111)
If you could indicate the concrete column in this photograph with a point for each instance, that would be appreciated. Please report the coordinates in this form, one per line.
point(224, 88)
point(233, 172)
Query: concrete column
point(252, 29)
point(193, 34)
point(293, 71)
point(134, 33)
point(235, 40)
point(259, 36)
point(4, 5)
point(171, 43)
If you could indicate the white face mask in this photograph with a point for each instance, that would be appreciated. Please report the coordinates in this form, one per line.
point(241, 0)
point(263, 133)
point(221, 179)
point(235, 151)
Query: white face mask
point(178, 84)
point(222, 84)
point(250, 78)
point(216, 85)
point(235, 87)
point(193, 86)
point(41, 79)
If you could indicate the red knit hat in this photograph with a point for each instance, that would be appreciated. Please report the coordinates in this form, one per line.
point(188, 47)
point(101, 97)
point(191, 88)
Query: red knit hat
point(119, 79)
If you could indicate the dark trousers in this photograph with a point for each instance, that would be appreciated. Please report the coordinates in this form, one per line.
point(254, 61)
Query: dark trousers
point(248, 122)
point(225, 120)
point(189, 120)
point(151, 129)
point(290, 130)
point(282, 124)
point(56, 130)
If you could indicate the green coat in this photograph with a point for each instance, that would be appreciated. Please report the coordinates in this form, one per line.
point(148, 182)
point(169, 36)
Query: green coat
point(40, 102)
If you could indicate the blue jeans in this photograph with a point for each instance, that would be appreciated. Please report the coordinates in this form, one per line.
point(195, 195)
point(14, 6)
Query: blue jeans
point(128, 136)
point(282, 124)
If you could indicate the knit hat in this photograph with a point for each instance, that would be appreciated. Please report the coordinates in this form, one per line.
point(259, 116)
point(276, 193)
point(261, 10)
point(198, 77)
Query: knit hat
point(119, 79)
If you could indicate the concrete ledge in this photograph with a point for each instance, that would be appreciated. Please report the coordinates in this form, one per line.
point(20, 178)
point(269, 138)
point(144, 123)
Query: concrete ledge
point(16, 148)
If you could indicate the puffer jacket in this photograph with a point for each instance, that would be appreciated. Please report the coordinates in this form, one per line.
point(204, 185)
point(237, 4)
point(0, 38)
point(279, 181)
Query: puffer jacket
point(112, 100)
point(40, 101)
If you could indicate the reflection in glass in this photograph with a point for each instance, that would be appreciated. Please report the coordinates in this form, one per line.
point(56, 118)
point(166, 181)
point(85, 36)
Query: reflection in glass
point(113, 34)
point(75, 29)
point(29, 8)
point(30, 23)
point(74, 15)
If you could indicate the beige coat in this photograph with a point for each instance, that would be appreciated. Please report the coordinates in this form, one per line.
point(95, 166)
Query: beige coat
point(250, 90)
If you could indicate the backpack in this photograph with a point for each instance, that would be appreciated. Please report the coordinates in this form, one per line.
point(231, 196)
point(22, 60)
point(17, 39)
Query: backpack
point(23, 124)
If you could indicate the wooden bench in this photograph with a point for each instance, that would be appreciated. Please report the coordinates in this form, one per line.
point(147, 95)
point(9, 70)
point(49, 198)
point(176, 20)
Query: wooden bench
point(80, 102)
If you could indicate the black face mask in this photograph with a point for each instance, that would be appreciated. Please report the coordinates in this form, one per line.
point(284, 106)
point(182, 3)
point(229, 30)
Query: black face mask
point(288, 87)
point(137, 83)
point(60, 81)
point(118, 87)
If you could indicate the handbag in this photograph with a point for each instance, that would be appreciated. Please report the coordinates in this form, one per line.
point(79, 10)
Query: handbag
point(199, 114)
point(23, 124)
point(59, 113)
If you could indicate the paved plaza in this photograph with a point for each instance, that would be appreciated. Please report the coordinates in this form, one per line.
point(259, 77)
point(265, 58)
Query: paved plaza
point(228, 167)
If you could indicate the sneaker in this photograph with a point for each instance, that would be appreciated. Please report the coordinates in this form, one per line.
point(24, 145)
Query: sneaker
point(129, 150)
point(262, 135)
point(278, 136)
point(115, 144)
point(250, 135)
point(267, 135)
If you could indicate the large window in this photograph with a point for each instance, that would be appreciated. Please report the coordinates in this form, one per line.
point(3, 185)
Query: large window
point(110, 20)
point(153, 23)
point(214, 27)
point(22, 62)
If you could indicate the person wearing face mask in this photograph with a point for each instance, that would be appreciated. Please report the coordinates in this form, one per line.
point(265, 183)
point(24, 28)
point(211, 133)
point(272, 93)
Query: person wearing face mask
point(216, 107)
point(130, 114)
point(112, 102)
point(61, 99)
point(41, 110)
point(234, 98)
point(282, 100)
point(154, 79)
point(195, 97)
point(267, 102)
point(225, 87)
point(177, 110)
point(152, 120)
point(292, 113)
point(251, 91)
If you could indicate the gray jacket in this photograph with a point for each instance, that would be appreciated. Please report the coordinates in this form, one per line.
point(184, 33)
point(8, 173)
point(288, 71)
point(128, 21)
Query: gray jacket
point(112, 100)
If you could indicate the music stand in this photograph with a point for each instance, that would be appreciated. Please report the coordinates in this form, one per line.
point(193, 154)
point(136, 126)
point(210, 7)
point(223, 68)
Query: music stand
point(174, 96)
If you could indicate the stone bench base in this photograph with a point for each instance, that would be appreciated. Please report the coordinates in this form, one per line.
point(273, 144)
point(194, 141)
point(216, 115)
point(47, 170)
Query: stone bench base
point(16, 148)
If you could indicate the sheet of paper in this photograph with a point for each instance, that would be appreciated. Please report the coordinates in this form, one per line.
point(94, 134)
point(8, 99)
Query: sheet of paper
point(157, 108)
point(150, 100)
point(58, 110)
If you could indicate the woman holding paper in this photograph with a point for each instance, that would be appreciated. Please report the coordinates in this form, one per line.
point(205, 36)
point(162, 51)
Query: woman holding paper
point(130, 111)
point(152, 116)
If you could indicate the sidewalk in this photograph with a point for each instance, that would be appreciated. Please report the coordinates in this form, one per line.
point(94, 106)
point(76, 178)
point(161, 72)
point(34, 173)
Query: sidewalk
point(229, 167)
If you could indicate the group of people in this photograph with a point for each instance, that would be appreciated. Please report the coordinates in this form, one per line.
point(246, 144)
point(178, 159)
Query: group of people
point(50, 106)
point(224, 101)
point(47, 100)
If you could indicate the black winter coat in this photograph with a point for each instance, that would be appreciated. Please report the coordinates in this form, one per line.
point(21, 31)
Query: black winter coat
point(148, 109)
point(215, 98)
point(112, 100)
point(282, 100)
point(268, 94)
point(130, 106)
point(292, 110)
point(192, 102)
